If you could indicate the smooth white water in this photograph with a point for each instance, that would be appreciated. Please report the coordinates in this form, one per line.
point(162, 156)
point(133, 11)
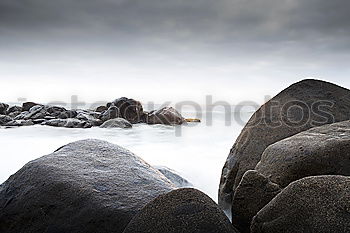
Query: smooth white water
point(197, 151)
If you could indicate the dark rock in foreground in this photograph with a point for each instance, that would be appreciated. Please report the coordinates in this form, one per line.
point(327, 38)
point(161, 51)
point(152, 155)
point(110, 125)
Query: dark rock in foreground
point(323, 150)
point(117, 123)
point(181, 211)
point(303, 105)
point(87, 186)
point(319, 204)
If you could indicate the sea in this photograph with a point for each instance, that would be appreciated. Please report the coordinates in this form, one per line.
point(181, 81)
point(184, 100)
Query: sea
point(196, 151)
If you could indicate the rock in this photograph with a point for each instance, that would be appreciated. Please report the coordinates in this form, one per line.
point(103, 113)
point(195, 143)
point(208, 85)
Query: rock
point(180, 211)
point(4, 119)
point(89, 117)
point(55, 111)
point(314, 204)
point(17, 123)
point(195, 120)
point(174, 177)
point(28, 105)
point(166, 116)
point(14, 114)
point(111, 113)
point(67, 123)
point(309, 102)
point(129, 109)
point(14, 109)
point(101, 109)
point(3, 108)
point(252, 194)
point(38, 121)
point(67, 114)
point(117, 123)
point(323, 150)
point(87, 186)
point(36, 112)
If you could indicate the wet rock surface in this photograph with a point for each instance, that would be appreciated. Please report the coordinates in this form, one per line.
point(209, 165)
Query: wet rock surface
point(86, 186)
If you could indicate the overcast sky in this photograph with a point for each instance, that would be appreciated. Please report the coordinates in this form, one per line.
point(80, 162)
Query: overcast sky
point(160, 50)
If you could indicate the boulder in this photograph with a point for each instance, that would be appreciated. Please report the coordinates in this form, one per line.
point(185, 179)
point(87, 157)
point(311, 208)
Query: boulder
point(36, 112)
point(89, 117)
point(174, 177)
point(67, 123)
point(180, 211)
point(166, 116)
point(252, 194)
point(303, 105)
point(129, 109)
point(116, 123)
point(3, 108)
point(17, 123)
point(28, 105)
point(101, 108)
point(4, 119)
point(55, 111)
point(87, 186)
point(314, 204)
point(111, 113)
point(67, 114)
point(323, 150)
point(14, 109)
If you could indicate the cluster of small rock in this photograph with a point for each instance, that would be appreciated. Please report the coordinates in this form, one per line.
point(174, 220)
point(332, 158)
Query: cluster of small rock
point(121, 113)
point(292, 177)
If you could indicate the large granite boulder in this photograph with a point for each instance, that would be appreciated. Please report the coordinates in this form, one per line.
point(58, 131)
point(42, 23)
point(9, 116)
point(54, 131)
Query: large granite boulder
point(303, 105)
point(180, 211)
point(129, 109)
point(117, 123)
point(323, 150)
point(318, 204)
point(252, 194)
point(87, 186)
point(3, 108)
point(165, 116)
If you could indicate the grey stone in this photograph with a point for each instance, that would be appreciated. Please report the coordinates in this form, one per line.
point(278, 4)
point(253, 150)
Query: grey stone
point(303, 105)
point(181, 211)
point(174, 177)
point(116, 123)
point(87, 186)
point(317, 204)
point(166, 116)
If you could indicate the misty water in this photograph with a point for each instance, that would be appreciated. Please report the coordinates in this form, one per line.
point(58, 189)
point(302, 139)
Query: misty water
point(197, 151)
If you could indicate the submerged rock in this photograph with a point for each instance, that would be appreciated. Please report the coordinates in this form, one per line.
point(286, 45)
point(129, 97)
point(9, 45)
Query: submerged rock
point(166, 116)
point(117, 123)
point(303, 105)
point(87, 186)
point(180, 211)
point(174, 177)
point(314, 204)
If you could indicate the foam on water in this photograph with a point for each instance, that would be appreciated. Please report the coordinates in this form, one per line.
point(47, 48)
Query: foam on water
point(197, 151)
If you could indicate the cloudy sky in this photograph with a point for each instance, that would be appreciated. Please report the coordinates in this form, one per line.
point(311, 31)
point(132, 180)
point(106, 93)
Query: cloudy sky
point(160, 50)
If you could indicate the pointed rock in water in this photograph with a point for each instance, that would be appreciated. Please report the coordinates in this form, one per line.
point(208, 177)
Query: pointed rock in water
point(303, 105)
point(174, 177)
point(86, 186)
point(117, 123)
point(166, 116)
point(314, 204)
point(181, 211)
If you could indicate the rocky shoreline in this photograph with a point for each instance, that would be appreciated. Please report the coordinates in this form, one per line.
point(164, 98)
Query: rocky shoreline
point(120, 113)
point(278, 177)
